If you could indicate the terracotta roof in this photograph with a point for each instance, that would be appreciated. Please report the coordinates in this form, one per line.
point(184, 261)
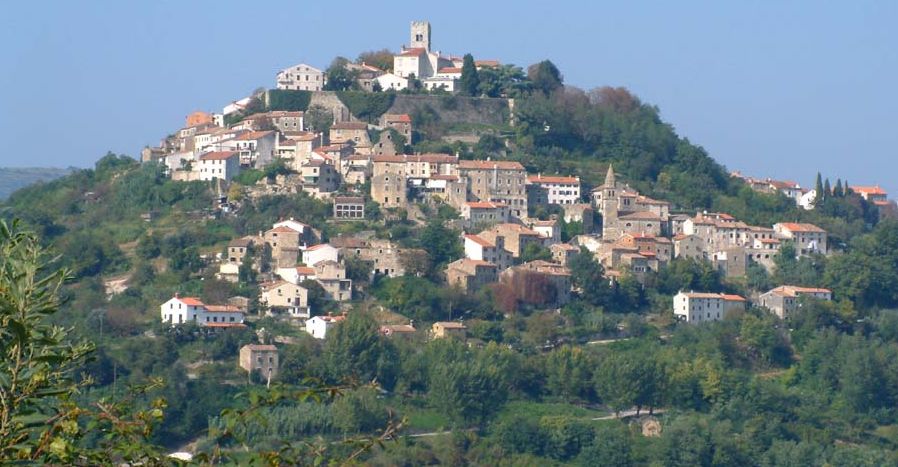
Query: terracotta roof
point(305, 271)
point(733, 298)
point(383, 158)
point(484, 205)
point(882, 202)
point(397, 118)
point(331, 319)
point(450, 69)
point(483, 165)
point(223, 309)
point(450, 325)
point(479, 240)
point(218, 155)
point(241, 242)
point(799, 227)
point(281, 229)
point(520, 229)
point(465, 262)
point(251, 135)
point(552, 179)
point(413, 52)
point(794, 290)
point(869, 190)
point(318, 246)
point(444, 177)
point(486, 63)
point(191, 301)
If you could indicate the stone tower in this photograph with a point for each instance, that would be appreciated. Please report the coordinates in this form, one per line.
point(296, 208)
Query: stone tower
point(420, 36)
point(609, 207)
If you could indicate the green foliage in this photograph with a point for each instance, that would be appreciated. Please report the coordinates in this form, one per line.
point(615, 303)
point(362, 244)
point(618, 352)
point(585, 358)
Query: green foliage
point(545, 77)
point(441, 243)
point(319, 118)
point(357, 352)
point(469, 84)
point(288, 100)
point(339, 77)
point(534, 251)
point(367, 106)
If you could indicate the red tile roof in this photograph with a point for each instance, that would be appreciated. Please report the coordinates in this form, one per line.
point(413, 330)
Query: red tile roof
point(479, 240)
point(398, 118)
point(869, 190)
point(223, 309)
point(413, 52)
point(799, 227)
point(552, 179)
point(349, 126)
point(191, 301)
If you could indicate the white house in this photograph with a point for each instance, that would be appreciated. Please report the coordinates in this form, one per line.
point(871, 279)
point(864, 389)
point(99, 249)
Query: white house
point(296, 275)
point(543, 190)
point(699, 307)
point(318, 326)
point(182, 310)
point(484, 212)
point(318, 253)
point(223, 165)
point(388, 81)
point(256, 148)
point(478, 248)
point(301, 77)
point(236, 106)
point(807, 199)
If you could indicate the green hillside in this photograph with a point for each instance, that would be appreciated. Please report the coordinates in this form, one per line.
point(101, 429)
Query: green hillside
point(535, 387)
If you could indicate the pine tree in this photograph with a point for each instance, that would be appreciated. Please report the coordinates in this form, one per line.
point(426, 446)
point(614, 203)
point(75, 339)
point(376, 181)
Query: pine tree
point(470, 80)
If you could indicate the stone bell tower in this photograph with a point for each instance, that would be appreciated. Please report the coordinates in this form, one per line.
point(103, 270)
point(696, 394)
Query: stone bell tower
point(609, 207)
point(420, 35)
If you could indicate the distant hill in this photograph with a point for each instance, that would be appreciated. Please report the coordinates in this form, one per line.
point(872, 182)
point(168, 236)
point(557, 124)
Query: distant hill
point(13, 178)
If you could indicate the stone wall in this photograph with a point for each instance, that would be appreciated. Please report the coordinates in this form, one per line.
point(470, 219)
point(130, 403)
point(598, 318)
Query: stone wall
point(330, 101)
point(455, 109)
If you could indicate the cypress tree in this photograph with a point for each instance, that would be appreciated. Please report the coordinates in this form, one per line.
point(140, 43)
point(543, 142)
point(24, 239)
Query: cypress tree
point(818, 187)
point(470, 81)
point(827, 191)
point(837, 191)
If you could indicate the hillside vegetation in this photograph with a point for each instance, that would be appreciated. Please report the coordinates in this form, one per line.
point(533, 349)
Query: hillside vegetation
point(820, 388)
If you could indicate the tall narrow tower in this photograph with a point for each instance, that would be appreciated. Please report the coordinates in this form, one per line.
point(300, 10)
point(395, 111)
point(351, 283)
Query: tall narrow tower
point(609, 207)
point(420, 37)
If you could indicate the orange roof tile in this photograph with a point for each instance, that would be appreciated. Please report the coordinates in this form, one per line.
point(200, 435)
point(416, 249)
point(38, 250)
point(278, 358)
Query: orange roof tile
point(191, 301)
point(479, 240)
point(799, 227)
point(413, 52)
point(869, 190)
point(552, 179)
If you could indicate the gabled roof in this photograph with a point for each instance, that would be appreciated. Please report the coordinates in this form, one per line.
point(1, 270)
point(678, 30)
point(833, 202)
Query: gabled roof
point(800, 227)
point(319, 247)
point(191, 301)
point(869, 190)
point(253, 135)
point(413, 52)
point(794, 290)
point(552, 179)
point(479, 240)
point(397, 118)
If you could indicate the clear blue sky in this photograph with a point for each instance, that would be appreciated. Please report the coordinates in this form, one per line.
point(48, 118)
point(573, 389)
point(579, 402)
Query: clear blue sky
point(778, 88)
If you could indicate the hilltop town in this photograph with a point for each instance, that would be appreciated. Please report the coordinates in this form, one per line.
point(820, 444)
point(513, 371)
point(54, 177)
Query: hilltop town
point(478, 262)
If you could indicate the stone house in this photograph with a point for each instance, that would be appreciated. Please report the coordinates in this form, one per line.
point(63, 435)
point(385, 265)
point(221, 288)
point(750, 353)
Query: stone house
point(402, 123)
point(301, 77)
point(286, 244)
point(517, 237)
point(289, 298)
point(389, 190)
point(355, 133)
point(470, 274)
point(808, 238)
point(448, 329)
point(261, 358)
point(496, 181)
point(332, 277)
point(563, 253)
point(783, 301)
point(483, 213)
point(319, 178)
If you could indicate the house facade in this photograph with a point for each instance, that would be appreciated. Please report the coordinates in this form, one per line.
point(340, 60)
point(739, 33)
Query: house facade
point(301, 77)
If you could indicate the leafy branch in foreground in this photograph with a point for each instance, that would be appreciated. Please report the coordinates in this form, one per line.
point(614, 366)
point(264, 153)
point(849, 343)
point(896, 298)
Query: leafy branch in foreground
point(232, 432)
